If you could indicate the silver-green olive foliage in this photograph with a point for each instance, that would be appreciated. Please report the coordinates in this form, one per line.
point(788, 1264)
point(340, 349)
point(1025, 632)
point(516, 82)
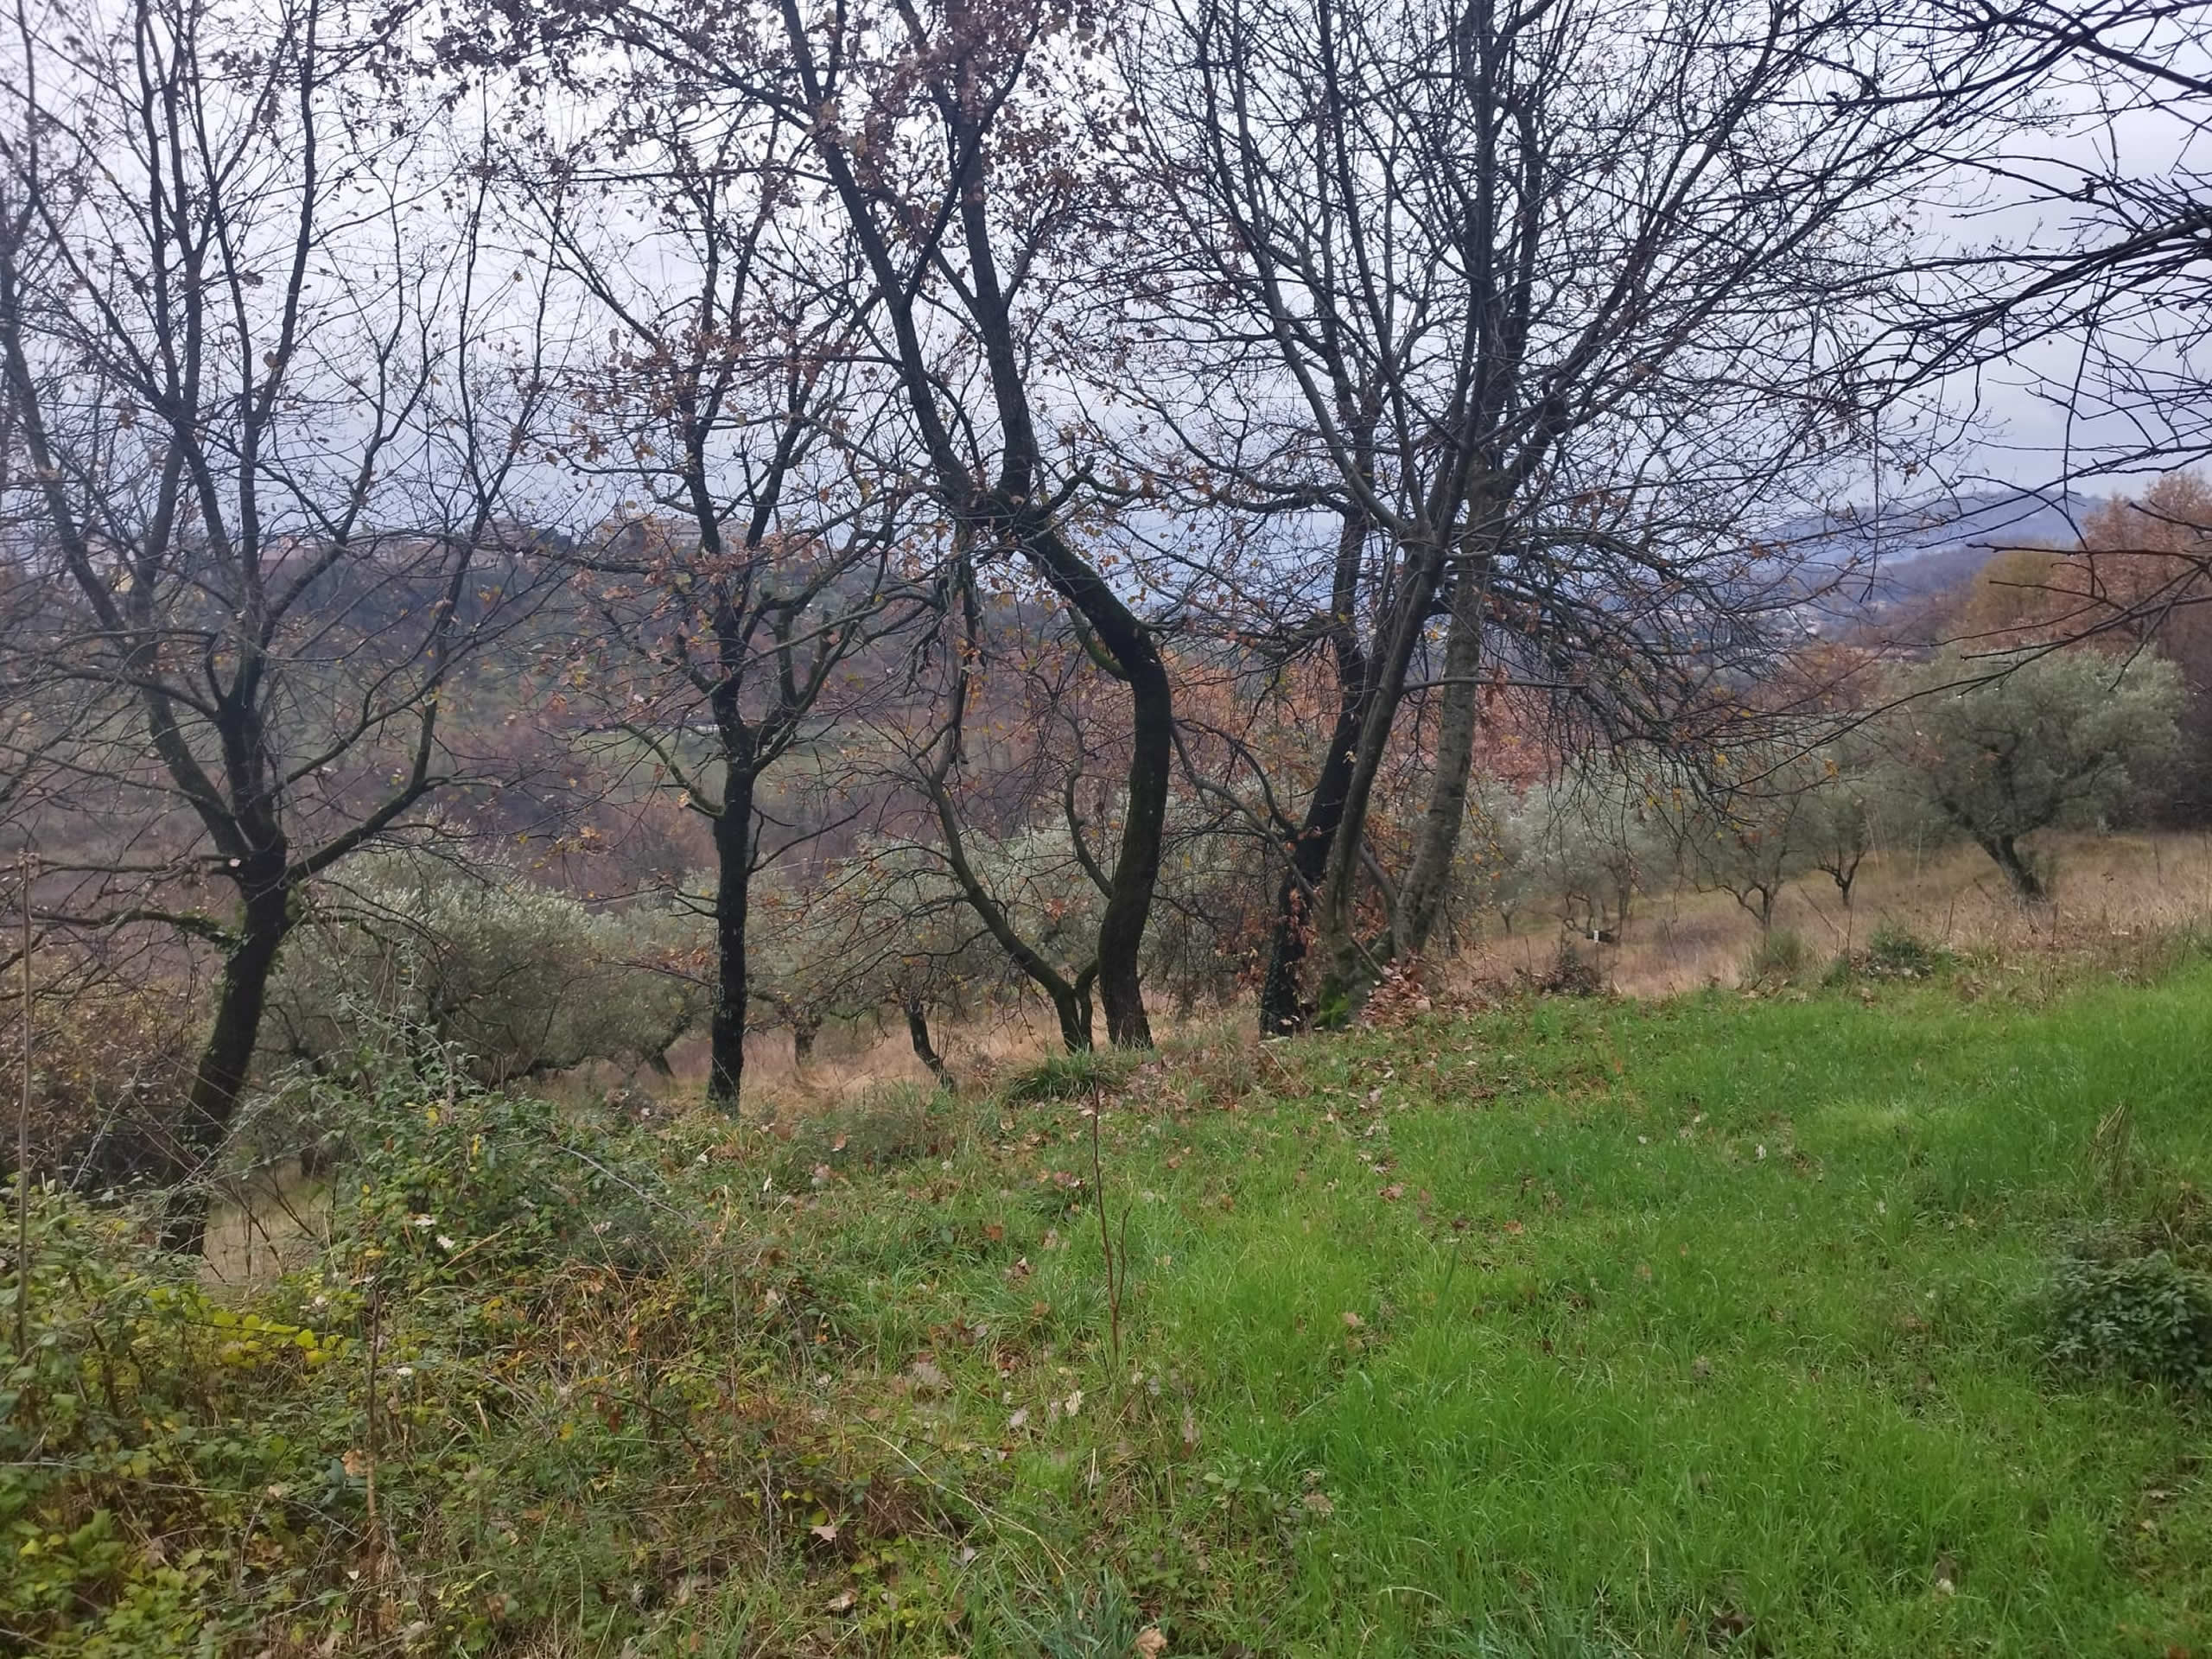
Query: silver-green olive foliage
point(1996, 749)
point(520, 979)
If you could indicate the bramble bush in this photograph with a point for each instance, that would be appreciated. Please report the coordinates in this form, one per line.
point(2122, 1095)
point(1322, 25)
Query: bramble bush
point(158, 1447)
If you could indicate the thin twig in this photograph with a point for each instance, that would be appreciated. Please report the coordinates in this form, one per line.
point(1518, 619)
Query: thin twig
point(369, 1433)
point(23, 1143)
point(1117, 1261)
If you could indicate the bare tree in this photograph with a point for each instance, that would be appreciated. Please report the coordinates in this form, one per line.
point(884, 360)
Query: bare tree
point(268, 452)
point(753, 547)
point(2084, 273)
point(1031, 909)
point(969, 151)
point(1539, 304)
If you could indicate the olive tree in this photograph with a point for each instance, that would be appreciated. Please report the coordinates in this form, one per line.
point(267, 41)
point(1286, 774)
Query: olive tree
point(520, 979)
point(1998, 749)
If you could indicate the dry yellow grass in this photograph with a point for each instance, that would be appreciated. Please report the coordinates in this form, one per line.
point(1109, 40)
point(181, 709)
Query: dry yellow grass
point(2105, 887)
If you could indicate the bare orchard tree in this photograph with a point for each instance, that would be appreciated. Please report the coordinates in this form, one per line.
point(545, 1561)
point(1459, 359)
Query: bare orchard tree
point(971, 154)
point(754, 554)
point(1000, 786)
point(1534, 304)
point(267, 453)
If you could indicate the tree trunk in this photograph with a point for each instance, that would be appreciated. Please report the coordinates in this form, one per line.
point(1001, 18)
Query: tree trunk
point(1422, 897)
point(1283, 1006)
point(732, 889)
point(2006, 853)
point(804, 1028)
point(227, 1056)
point(918, 1033)
point(1071, 1004)
point(1137, 870)
point(1336, 933)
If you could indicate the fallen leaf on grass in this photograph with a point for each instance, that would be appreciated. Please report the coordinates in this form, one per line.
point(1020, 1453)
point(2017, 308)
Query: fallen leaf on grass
point(928, 1378)
point(1150, 1643)
point(1352, 1321)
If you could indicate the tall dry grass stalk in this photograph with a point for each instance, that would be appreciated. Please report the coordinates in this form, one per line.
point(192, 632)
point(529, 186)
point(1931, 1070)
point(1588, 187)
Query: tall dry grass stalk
point(2106, 888)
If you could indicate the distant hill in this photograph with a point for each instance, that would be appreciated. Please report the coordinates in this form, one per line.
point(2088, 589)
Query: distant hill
point(1909, 551)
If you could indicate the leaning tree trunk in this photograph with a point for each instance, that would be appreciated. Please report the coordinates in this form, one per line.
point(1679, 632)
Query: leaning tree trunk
point(918, 1033)
point(2005, 851)
point(227, 1056)
point(1136, 660)
point(733, 891)
point(1420, 897)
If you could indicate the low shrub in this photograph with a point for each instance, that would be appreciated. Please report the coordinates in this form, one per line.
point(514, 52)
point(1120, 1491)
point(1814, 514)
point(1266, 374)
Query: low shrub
point(1779, 957)
point(1066, 1077)
point(1898, 953)
point(2142, 1317)
point(1571, 973)
point(1894, 953)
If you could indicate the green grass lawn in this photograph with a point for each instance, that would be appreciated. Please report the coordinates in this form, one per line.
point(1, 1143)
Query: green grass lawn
point(1700, 1319)
point(1572, 1328)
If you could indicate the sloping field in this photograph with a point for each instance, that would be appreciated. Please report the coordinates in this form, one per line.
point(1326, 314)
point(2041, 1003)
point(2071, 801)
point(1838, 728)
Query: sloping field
point(1576, 1327)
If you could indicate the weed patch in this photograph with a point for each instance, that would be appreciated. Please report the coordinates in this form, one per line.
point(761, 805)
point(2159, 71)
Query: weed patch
point(2144, 1318)
point(1066, 1077)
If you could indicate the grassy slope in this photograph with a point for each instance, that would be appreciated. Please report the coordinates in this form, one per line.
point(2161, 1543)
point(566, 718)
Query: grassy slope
point(1570, 1328)
point(1752, 1353)
point(1686, 1318)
